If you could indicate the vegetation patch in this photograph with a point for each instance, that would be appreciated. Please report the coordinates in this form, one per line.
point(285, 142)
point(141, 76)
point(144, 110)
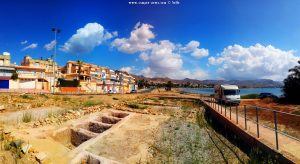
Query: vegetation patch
point(25, 96)
point(296, 112)
point(15, 147)
point(250, 96)
point(27, 116)
point(68, 83)
point(90, 103)
point(66, 98)
point(180, 143)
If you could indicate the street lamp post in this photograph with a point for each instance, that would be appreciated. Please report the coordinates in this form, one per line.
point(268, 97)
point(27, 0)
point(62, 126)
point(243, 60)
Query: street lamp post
point(56, 31)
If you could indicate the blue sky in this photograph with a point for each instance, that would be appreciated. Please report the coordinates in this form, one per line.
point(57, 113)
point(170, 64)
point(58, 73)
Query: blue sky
point(231, 39)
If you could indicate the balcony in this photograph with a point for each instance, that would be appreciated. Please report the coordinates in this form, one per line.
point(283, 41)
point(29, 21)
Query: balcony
point(2, 74)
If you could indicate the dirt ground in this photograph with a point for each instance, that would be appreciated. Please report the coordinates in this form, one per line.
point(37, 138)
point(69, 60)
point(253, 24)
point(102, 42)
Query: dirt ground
point(36, 119)
point(289, 124)
point(130, 143)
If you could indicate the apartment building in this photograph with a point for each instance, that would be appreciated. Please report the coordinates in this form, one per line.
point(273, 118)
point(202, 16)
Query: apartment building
point(46, 64)
point(37, 74)
point(127, 82)
point(80, 71)
point(6, 71)
point(5, 59)
point(91, 77)
point(31, 78)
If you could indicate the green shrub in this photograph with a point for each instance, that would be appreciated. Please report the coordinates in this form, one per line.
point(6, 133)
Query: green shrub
point(66, 98)
point(14, 76)
point(15, 148)
point(184, 107)
point(68, 83)
point(7, 146)
point(27, 116)
point(90, 103)
point(51, 113)
point(296, 112)
point(156, 100)
point(25, 96)
point(250, 96)
point(44, 95)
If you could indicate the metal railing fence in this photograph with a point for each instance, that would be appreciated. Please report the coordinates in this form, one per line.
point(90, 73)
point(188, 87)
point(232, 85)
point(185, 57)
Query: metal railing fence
point(258, 115)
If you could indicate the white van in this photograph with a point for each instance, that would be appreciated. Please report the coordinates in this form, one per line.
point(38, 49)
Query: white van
point(227, 94)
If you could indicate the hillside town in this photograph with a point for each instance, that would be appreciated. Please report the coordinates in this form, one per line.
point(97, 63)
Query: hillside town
point(45, 75)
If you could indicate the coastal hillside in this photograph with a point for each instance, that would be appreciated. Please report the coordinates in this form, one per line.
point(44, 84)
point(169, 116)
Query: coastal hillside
point(257, 83)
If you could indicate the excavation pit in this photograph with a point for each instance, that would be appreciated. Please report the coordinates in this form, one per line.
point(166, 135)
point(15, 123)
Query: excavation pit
point(119, 114)
point(80, 135)
point(95, 126)
point(98, 127)
point(72, 138)
point(110, 119)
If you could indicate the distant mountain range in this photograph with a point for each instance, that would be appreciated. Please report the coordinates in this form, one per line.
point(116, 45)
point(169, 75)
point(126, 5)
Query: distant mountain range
point(258, 83)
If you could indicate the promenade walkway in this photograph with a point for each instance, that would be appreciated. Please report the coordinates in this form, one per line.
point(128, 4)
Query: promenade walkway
point(287, 146)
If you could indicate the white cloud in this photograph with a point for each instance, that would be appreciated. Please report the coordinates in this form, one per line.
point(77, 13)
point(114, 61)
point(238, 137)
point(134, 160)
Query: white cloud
point(254, 62)
point(147, 72)
point(163, 61)
point(50, 46)
point(144, 56)
point(24, 42)
point(31, 46)
point(129, 69)
point(139, 39)
point(193, 48)
point(162, 58)
point(87, 38)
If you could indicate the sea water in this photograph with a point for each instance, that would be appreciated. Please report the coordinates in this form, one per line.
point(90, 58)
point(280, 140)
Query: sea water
point(244, 91)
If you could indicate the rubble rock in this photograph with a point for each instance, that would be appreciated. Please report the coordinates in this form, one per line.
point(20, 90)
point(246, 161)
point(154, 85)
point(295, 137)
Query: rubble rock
point(25, 148)
point(7, 131)
point(41, 156)
point(2, 108)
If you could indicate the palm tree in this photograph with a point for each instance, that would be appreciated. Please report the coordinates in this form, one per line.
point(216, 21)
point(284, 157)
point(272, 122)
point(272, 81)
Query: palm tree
point(80, 64)
point(291, 88)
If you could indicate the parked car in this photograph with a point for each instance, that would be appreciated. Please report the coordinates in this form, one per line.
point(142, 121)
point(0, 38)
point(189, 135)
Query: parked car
point(111, 91)
point(133, 91)
point(267, 95)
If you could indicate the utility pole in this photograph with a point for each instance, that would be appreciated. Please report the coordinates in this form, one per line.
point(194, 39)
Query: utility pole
point(56, 31)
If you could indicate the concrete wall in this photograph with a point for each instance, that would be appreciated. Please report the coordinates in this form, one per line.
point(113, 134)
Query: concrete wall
point(13, 84)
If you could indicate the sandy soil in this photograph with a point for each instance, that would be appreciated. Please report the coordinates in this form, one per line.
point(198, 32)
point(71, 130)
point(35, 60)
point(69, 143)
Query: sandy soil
point(129, 144)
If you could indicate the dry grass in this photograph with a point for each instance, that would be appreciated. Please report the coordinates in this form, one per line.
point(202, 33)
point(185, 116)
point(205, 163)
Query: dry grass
point(185, 138)
point(27, 116)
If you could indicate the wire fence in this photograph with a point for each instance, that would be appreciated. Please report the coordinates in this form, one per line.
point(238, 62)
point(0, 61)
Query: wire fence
point(284, 123)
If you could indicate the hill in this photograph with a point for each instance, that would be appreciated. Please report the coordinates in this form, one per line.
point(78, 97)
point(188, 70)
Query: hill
point(257, 83)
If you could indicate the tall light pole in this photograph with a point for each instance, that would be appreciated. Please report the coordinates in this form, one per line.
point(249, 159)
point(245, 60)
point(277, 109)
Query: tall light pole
point(56, 31)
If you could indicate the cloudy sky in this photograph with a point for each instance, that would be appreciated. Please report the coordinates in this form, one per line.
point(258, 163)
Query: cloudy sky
point(212, 39)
